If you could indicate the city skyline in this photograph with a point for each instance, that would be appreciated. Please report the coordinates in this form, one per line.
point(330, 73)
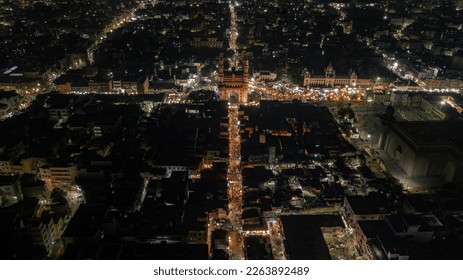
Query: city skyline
point(231, 129)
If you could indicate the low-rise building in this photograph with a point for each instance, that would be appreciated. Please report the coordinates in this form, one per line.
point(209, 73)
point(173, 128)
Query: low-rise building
point(10, 190)
point(131, 85)
point(375, 241)
point(209, 42)
point(304, 235)
point(99, 85)
point(58, 175)
point(33, 187)
point(20, 84)
point(444, 84)
point(373, 206)
point(9, 101)
point(415, 228)
point(265, 75)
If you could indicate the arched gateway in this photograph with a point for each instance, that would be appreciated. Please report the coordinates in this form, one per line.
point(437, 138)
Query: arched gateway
point(234, 81)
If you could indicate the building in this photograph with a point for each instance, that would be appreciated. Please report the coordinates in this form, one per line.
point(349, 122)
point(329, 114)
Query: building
point(423, 72)
point(416, 228)
point(234, 81)
point(20, 84)
point(265, 75)
point(209, 42)
point(390, 237)
point(5, 165)
point(365, 208)
point(47, 231)
point(444, 84)
point(58, 175)
point(330, 79)
point(133, 85)
point(57, 114)
point(375, 241)
point(32, 187)
point(26, 164)
point(429, 105)
point(10, 190)
point(99, 85)
point(63, 86)
point(77, 60)
point(425, 148)
point(9, 101)
point(304, 235)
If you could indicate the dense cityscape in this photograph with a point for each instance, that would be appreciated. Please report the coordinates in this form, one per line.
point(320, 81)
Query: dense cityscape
point(231, 129)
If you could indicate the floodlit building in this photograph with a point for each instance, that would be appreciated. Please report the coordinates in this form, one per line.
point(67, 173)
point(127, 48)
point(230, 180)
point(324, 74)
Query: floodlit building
point(425, 148)
point(330, 79)
point(233, 83)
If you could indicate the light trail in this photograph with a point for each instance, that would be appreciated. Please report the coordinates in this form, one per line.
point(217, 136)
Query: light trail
point(235, 188)
point(113, 25)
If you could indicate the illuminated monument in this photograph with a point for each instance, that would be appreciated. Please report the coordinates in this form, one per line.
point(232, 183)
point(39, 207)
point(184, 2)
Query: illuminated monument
point(424, 149)
point(234, 79)
point(330, 79)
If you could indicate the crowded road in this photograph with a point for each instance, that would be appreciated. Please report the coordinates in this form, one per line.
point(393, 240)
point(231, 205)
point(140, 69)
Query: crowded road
point(235, 191)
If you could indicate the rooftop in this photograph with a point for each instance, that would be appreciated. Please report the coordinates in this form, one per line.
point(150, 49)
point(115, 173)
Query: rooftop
point(374, 203)
point(433, 132)
point(304, 238)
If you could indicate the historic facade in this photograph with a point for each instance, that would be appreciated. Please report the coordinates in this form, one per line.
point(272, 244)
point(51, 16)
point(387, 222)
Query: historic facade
point(425, 148)
point(330, 79)
point(234, 81)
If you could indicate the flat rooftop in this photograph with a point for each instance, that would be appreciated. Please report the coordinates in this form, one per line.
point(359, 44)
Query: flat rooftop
point(433, 132)
point(304, 237)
